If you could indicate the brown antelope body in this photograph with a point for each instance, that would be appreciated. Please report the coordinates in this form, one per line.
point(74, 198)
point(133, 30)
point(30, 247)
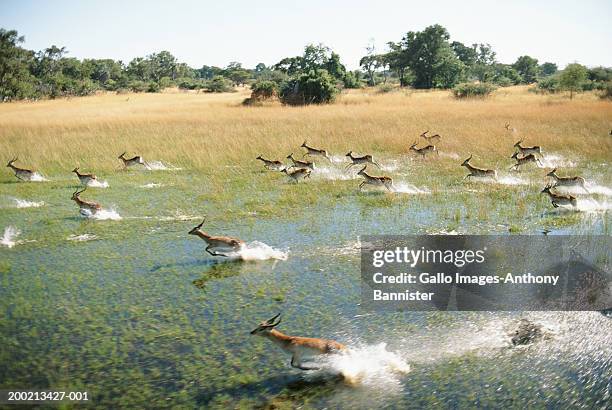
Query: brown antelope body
point(385, 181)
point(314, 151)
point(300, 164)
point(567, 181)
point(524, 160)
point(128, 162)
point(21, 173)
point(270, 164)
point(217, 245)
point(300, 348)
point(84, 204)
point(431, 138)
point(366, 159)
point(297, 174)
point(425, 150)
point(536, 149)
point(478, 172)
point(559, 199)
point(84, 178)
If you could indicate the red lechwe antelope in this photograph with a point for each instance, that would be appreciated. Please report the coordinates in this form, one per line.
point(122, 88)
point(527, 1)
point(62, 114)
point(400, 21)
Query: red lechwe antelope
point(567, 181)
point(314, 151)
point(524, 160)
point(559, 199)
point(385, 181)
point(299, 173)
point(85, 205)
point(84, 178)
point(300, 164)
point(536, 149)
point(217, 245)
point(270, 164)
point(430, 138)
point(478, 172)
point(299, 348)
point(425, 150)
point(128, 162)
point(21, 173)
point(366, 159)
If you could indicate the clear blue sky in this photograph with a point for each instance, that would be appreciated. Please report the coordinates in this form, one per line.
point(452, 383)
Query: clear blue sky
point(217, 32)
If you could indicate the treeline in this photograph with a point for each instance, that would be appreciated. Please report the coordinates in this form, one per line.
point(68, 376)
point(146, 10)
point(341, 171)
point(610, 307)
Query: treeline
point(425, 59)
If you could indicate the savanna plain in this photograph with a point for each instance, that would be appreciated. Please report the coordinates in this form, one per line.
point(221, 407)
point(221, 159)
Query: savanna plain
point(129, 307)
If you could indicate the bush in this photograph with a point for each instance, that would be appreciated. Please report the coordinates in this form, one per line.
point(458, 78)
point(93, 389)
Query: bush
point(138, 86)
point(351, 80)
point(503, 81)
point(316, 87)
point(153, 87)
point(607, 91)
point(473, 90)
point(190, 83)
point(385, 88)
point(548, 84)
point(264, 90)
point(218, 84)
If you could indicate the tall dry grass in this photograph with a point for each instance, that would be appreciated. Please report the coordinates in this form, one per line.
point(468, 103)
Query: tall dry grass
point(203, 131)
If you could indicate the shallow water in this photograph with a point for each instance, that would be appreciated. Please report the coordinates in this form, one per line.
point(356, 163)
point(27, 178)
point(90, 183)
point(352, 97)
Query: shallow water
point(136, 312)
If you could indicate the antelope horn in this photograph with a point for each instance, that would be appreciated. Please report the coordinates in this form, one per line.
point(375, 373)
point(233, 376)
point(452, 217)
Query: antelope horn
point(270, 322)
point(201, 223)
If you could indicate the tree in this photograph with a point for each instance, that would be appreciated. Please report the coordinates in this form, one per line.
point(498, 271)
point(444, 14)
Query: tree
point(15, 78)
point(572, 78)
point(314, 87)
point(527, 67)
point(548, 69)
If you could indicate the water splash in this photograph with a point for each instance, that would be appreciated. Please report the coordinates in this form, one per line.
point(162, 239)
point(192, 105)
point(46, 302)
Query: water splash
point(102, 214)
point(257, 251)
point(511, 180)
point(8, 239)
point(590, 189)
point(160, 166)
point(151, 185)
point(406, 188)
point(24, 203)
point(179, 216)
point(333, 173)
point(591, 205)
point(451, 155)
point(337, 159)
point(37, 177)
point(389, 166)
point(82, 238)
point(552, 160)
point(369, 365)
point(94, 183)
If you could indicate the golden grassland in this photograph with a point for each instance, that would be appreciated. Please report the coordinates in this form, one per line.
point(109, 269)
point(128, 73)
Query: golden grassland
point(203, 131)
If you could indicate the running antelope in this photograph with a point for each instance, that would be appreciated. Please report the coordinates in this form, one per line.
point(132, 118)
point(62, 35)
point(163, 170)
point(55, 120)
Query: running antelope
point(478, 172)
point(366, 159)
point(300, 164)
point(271, 164)
point(524, 160)
point(85, 206)
point(385, 181)
point(559, 199)
point(536, 149)
point(217, 245)
point(300, 348)
point(299, 173)
point(430, 138)
point(509, 128)
point(314, 151)
point(21, 173)
point(128, 162)
point(425, 150)
point(567, 181)
point(84, 178)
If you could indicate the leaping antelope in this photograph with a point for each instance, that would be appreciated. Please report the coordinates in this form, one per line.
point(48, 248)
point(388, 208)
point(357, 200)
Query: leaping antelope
point(128, 162)
point(559, 199)
point(271, 164)
point(385, 181)
point(299, 348)
point(536, 149)
point(84, 204)
point(217, 245)
point(366, 159)
point(423, 151)
point(524, 160)
point(430, 138)
point(21, 173)
point(478, 172)
point(567, 181)
point(300, 164)
point(299, 173)
point(84, 178)
point(314, 151)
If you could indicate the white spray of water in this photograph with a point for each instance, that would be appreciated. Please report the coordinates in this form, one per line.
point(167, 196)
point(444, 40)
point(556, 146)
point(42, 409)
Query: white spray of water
point(151, 185)
point(179, 216)
point(333, 173)
point(337, 159)
point(591, 205)
point(160, 166)
point(8, 239)
point(451, 155)
point(406, 188)
point(257, 251)
point(511, 180)
point(37, 177)
point(370, 366)
point(82, 238)
point(94, 183)
point(590, 189)
point(389, 166)
point(23, 203)
point(102, 214)
point(552, 160)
